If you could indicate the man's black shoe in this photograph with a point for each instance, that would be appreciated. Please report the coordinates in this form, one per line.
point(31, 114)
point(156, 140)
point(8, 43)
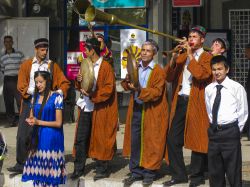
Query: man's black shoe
point(16, 169)
point(76, 174)
point(173, 182)
point(130, 180)
point(147, 181)
point(14, 124)
point(193, 184)
point(100, 176)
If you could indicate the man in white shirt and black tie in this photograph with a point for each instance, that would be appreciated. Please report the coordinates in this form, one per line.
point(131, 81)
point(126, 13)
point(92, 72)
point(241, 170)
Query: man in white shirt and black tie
point(227, 109)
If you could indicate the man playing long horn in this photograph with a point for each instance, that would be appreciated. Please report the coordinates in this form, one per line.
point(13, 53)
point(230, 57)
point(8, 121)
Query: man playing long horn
point(189, 74)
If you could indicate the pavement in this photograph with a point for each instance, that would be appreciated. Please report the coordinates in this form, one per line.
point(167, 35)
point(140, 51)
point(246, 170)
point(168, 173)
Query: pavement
point(118, 166)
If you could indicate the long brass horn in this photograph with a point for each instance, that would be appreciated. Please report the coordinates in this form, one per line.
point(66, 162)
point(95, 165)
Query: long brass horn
point(80, 7)
point(93, 14)
point(90, 13)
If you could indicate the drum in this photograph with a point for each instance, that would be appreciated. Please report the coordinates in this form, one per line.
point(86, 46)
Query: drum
point(88, 76)
point(132, 68)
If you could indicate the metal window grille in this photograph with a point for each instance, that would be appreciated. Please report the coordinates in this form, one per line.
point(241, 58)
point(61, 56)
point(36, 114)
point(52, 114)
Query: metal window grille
point(175, 19)
point(239, 23)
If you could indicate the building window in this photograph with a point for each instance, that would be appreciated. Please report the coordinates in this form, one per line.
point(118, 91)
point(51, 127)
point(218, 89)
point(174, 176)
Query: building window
point(239, 23)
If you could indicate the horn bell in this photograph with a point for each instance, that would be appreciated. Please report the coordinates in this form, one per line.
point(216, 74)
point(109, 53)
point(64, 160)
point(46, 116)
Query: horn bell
point(80, 7)
point(93, 14)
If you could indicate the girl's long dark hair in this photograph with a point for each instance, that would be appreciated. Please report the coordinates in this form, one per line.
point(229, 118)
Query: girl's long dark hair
point(35, 136)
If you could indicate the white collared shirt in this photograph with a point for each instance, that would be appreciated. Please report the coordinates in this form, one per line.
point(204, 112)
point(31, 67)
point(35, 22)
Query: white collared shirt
point(97, 66)
point(85, 102)
point(233, 105)
point(36, 66)
point(187, 76)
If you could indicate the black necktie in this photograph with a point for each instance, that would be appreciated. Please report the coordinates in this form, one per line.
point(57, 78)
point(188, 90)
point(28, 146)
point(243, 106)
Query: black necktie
point(216, 104)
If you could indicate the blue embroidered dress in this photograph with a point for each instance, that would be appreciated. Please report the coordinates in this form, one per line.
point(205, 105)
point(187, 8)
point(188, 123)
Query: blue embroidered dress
point(46, 167)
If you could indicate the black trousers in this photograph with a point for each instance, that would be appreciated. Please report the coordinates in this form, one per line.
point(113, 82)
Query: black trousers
point(82, 140)
point(175, 143)
point(224, 157)
point(24, 132)
point(10, 93)
point(134, 162)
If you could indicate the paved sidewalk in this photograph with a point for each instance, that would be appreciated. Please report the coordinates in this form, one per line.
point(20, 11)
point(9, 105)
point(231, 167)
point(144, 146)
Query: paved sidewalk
point(119, 166)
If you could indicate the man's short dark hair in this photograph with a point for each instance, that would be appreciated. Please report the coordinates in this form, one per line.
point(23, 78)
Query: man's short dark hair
point(93, 43)
point(220, 59)
point(8, 36)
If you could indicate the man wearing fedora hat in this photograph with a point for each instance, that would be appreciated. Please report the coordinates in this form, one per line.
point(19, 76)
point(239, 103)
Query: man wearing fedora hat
point(26, 86)
point(189, 72)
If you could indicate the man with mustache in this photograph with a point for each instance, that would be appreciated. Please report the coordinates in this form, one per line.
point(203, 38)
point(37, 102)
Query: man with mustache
point(147, 118)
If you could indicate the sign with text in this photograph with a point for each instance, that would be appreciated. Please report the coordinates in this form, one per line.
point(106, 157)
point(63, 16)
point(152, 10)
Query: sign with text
point(72, 65)
point(119, 3)
point(187, 3)
point(131, 39)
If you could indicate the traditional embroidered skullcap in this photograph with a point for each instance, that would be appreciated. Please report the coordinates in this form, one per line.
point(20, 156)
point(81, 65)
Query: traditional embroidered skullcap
point(200, 30)
point(99, 35)
point(41, 42)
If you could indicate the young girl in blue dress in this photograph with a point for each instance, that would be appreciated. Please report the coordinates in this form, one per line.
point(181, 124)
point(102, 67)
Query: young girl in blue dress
point(45, 164)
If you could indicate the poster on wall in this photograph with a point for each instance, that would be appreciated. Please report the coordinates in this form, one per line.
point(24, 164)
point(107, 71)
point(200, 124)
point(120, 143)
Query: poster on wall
point(186, 15)
point(187, 3)
point(72, 56)
point(72, 65)
point(133, 39)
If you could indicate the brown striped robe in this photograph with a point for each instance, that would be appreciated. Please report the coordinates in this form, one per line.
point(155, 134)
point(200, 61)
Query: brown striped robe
point(105, 115)
point(59, 80)
point(196, 125)
point(155, 123)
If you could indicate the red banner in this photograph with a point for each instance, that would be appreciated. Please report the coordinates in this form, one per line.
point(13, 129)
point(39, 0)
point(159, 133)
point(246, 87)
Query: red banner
point(186, 3)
